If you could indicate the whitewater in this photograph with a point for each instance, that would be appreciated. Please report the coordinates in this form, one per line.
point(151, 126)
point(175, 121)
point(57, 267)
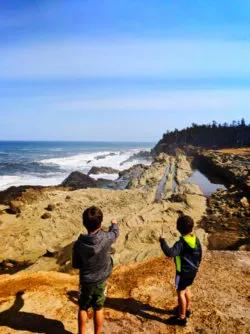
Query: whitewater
point(49, 163)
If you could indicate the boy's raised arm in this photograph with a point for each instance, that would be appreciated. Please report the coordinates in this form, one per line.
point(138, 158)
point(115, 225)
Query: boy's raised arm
point(114, 230)
point(173, 251)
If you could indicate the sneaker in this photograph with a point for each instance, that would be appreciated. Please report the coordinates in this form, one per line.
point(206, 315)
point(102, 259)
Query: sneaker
point(177, 321)
point(176, 311)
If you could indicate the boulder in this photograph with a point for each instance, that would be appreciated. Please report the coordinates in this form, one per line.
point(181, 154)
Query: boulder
point(46, 215)
point(244, 202)
point(16, 207)
point(77, 180)
point(51, 207)
point(103, 170)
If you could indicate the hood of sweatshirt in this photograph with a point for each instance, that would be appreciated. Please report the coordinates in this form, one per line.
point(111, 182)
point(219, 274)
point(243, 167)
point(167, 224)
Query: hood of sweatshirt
point(190, 241)
point(91, 244)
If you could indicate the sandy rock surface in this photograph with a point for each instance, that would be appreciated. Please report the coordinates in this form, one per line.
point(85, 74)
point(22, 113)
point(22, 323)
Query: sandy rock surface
point(28, 237)
point(140, 299)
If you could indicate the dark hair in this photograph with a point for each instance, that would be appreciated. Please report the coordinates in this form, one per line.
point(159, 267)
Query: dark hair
point(92, 218)
point(185, 224)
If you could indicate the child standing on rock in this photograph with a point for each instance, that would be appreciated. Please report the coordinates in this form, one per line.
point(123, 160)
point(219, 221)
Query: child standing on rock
point(188, 253)
point(91, 254)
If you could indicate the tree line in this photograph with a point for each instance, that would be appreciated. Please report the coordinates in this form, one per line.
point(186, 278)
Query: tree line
point(213, 135)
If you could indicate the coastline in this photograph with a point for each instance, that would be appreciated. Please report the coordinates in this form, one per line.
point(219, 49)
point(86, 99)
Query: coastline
point(38, 244)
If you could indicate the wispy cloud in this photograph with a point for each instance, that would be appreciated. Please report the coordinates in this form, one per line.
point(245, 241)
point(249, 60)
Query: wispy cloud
point(126, 58)
point(193, 101)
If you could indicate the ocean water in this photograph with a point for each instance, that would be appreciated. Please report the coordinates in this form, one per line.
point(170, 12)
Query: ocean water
point(49, 163)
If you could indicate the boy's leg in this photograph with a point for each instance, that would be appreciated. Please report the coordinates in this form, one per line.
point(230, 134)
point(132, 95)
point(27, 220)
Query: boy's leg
point(82, 320)
point(98, 320)
point(188, 296)
point(182, 303)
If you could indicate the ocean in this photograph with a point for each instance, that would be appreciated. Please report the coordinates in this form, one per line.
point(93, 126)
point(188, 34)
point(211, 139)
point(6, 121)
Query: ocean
point(49, 163)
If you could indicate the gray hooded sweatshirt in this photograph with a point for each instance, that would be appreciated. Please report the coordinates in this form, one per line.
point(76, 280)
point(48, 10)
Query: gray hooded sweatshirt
point(91, 254)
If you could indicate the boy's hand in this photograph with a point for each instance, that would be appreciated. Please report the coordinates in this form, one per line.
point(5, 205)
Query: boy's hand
point(161, 237)
point(114, 221)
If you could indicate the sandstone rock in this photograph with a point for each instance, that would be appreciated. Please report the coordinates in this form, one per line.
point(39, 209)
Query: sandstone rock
point(103, 170)
point(46, 215)
point(244, 202)
point(162, 158)
point(140, 298)
point(178, 198)
point(51, 207)
point(31, 237)
point(16, 206)
point(12, 193)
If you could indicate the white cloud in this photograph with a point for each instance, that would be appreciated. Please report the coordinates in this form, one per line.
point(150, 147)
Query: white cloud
point(126, 58)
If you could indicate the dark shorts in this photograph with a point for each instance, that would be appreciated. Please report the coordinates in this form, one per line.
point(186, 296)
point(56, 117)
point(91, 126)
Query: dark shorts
point(182, 282)
point(92, 295)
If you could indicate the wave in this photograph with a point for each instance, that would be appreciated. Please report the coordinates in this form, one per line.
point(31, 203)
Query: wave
point(85, 161)
point(106, 176)
point(53, 171)
point(7, 181)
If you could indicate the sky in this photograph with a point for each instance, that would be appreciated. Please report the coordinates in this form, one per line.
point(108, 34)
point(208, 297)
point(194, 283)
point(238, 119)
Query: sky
point(124, 70)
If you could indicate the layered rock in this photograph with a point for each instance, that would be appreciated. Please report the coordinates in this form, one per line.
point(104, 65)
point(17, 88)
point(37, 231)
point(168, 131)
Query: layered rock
point(234, 167)
point(29, 238)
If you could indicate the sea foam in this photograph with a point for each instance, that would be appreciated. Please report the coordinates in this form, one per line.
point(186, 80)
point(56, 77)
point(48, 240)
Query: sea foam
point(81, 162)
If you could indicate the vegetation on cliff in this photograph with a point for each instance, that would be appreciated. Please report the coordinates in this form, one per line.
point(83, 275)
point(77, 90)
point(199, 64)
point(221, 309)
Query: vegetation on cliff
point(213, 135)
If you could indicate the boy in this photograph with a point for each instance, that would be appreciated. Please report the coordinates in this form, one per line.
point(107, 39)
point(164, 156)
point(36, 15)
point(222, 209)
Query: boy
point(91, 254)
point(188, 253)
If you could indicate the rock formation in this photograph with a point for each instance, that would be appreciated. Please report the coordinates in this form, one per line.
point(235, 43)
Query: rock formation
point(103, 170)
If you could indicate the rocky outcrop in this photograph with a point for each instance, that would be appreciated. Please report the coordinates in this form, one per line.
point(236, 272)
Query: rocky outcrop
point(16, 207)
point(227, 221)
point(103, 170)
point(234, 167)
point(29, 238)
point(183, 169)
point(14, 192)
point(77, 180)
point(142, 155)
point(140, 299)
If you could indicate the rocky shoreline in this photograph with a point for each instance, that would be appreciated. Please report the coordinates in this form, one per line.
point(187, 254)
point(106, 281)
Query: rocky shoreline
point(32, 231)
point(40, 224)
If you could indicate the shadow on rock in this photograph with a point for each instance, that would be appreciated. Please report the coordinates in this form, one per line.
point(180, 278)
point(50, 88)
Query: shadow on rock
point(36, 323)
point(129, 305)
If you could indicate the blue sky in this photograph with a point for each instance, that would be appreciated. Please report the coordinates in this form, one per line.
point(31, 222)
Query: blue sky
point(121, 70)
